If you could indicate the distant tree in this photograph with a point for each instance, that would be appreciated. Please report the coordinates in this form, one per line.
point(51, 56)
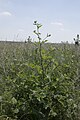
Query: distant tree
point(77, 40)
point(29, 39)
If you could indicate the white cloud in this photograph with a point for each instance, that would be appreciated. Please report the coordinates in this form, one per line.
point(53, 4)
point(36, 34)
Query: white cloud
point(62, 29)
point(5, 13)
point(20, 30)
point(57, 23)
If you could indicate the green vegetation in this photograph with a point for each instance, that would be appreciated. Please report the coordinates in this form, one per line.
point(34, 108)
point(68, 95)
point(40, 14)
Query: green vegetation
point(39, 81)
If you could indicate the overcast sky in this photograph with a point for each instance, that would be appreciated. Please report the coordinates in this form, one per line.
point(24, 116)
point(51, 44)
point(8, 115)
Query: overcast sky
point(60, 18)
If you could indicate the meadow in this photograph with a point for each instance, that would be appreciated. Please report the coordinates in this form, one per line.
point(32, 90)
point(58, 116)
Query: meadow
point(39, 81)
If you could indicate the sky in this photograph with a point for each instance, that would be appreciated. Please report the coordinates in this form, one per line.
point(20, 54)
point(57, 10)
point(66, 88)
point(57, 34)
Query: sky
point(60, 18)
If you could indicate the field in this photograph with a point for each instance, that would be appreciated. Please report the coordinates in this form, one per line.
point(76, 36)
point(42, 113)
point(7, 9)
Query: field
point(39, 81)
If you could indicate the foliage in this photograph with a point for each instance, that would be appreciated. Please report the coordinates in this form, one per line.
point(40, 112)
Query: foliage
point(39, 81)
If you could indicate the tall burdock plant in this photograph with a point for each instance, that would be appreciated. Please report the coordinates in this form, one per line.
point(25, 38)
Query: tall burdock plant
point(40, 41)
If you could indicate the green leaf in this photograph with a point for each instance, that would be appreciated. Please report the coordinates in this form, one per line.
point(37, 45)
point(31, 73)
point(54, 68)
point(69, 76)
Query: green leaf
point(16, 110)
point(0, 98)
point(14, 101)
